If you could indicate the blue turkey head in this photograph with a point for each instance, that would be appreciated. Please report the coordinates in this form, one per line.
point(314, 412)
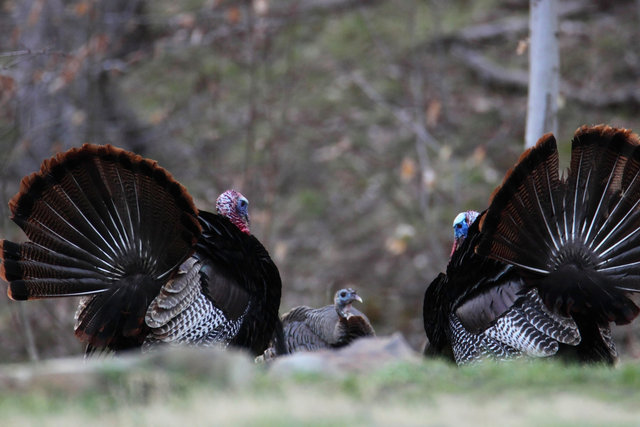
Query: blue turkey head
point(461, 225)
point(343, 300)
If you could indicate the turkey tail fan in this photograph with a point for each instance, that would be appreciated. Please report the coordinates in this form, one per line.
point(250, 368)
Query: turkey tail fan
point(101, 221)
point(579, 236)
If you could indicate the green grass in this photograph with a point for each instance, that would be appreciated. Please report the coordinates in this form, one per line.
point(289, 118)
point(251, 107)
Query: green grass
point(172, 391)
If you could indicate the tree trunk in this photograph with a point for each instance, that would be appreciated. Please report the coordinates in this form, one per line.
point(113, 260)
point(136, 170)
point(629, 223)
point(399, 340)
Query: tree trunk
point(542, 106)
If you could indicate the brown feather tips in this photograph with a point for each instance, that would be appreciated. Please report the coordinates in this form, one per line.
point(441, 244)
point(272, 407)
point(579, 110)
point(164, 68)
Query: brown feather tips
point(544, 147)
point(602, 149)
point(8, 254)
point(18, 291)
point(602, 134)
point(11, 271)
point(538, 164)
point(96, 215)
point(55, 168)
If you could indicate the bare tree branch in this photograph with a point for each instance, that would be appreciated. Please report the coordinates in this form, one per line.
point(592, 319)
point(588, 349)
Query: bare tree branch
point(495, 74)
point(401, 115)
point(24, 52)
point(490, 72)
point(505, 26)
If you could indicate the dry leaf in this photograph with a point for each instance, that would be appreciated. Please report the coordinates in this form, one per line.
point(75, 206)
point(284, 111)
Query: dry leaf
point(7, 84)
point(233, 15)
point(479, 154)
point(433, 113)
point(7, 89)
point(81, 8)
point(523, 45)
point(396, 246)
point(158, 116)
point(399, 242)
point(408, 169)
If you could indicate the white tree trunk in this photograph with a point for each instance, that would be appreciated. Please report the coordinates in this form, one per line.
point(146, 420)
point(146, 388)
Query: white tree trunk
point(542, 106)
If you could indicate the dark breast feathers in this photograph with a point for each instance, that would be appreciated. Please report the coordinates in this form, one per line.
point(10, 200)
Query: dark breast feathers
point(116, 228)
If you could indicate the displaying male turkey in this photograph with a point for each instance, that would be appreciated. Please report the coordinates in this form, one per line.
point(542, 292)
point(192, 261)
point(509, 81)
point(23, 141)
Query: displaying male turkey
point(119, 230)
point(552, 261)
point(331, 326)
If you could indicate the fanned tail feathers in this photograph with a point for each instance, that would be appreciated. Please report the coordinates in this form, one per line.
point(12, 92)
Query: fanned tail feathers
point(579, 236)
point(104, 223)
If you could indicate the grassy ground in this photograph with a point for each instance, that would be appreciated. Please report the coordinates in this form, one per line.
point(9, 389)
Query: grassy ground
point(227, 389)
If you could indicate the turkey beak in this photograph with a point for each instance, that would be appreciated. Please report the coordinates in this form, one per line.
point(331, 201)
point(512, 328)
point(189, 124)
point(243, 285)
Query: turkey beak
point(356, 297)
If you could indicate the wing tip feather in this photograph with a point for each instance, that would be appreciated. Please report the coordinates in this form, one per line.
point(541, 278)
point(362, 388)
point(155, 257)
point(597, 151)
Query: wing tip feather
point(3, 271)
point(18, 291)
point(9, 254)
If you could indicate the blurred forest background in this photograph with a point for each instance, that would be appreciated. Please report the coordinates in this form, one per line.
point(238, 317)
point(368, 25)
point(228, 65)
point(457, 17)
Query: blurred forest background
point(357, 129)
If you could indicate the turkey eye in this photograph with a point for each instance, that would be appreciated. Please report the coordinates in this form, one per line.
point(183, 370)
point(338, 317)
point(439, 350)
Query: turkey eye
point(458, 225)
point(242, 203)
point(343, 294)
